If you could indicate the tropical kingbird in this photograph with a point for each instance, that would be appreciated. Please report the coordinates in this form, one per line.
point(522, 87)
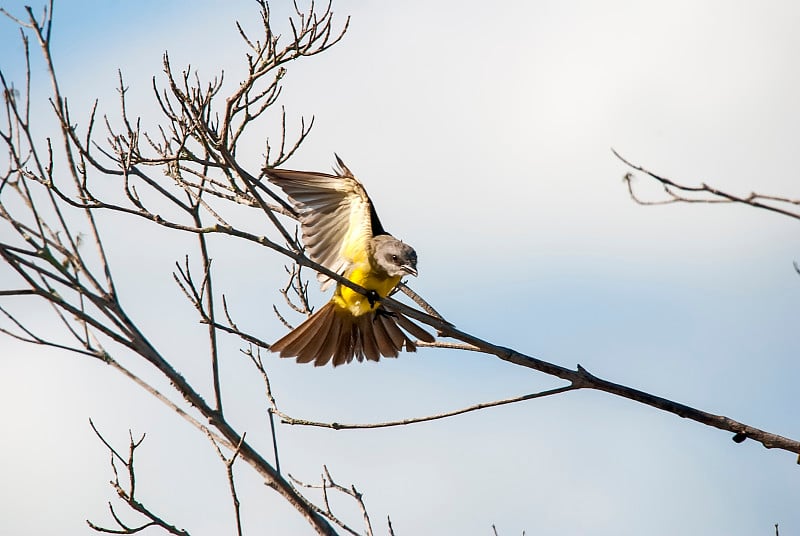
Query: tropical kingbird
point(342, 232)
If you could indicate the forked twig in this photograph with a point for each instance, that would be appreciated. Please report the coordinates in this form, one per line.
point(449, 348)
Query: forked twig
point(328, 484)
point(126, 490)
point(681, 193)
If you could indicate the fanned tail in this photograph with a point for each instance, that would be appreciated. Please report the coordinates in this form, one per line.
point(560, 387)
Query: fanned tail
point(334, 335)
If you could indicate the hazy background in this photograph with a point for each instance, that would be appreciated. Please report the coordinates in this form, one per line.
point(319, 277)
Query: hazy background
point(483, 134)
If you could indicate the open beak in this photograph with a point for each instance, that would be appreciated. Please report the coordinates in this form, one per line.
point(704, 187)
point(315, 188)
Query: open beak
point(409, 269)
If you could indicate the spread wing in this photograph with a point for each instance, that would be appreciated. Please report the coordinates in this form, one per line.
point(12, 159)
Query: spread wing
point(336, 216)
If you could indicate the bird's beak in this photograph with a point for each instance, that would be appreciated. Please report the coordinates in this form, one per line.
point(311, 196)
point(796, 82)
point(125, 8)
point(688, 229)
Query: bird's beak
point(409, 269)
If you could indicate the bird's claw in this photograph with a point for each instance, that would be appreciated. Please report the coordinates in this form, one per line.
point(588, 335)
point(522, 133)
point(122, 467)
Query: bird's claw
point(373, 298)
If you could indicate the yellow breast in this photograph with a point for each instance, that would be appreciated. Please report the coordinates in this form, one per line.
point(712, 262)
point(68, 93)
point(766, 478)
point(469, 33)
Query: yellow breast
point(363, 275)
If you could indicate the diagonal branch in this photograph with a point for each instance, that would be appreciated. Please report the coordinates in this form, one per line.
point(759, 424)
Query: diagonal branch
point(581, 378)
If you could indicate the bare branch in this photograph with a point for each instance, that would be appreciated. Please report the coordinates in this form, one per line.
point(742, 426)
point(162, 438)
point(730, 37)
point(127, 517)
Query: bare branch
point(126, 490)
point(273, 406)
point(184, 175)
point(428, 308)
point(581, 378)
point(680, 193)
point(329, 484)
point(340, 426)
point(231, 482)
point(57, 270)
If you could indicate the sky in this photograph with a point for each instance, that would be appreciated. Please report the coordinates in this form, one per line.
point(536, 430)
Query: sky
point(483, 134)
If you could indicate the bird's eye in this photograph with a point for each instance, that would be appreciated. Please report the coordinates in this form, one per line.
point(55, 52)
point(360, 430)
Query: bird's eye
point(394, 257)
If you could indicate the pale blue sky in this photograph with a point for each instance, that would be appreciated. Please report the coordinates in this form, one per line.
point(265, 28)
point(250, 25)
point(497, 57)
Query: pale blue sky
point(496, 123)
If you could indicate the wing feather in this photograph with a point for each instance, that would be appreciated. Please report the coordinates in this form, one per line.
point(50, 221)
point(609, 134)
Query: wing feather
point(335, 215)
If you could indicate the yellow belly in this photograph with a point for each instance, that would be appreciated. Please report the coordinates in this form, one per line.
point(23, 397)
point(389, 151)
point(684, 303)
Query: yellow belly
point(356, 303)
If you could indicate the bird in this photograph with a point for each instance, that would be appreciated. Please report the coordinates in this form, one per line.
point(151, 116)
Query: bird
point(342, 232)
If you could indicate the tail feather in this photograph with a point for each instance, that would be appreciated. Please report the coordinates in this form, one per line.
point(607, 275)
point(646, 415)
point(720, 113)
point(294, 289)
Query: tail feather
point(395, 334)
point(368, 343)
point(333, 335)
point(315, 341)
point(358, 345)
point(385, 343)
point(313, 350)
point(297, 339)
point(413, 329)
point(346, 345)
point(330, 345)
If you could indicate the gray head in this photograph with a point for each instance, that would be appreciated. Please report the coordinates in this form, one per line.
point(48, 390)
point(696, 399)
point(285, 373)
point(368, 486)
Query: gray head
point(393, 256)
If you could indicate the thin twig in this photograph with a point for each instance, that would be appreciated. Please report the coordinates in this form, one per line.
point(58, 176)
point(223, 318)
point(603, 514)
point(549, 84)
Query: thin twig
point(255, 358)
point(403, 422)
point(329, 484)
point(126, 490)
point(674, 190)
point(427, 307)
point(231, 481)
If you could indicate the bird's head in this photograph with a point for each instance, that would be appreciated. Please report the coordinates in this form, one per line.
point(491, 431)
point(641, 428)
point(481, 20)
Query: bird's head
point(395, 257)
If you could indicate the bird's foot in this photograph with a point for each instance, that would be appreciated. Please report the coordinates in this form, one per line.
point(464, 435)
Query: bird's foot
point(373, 298)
